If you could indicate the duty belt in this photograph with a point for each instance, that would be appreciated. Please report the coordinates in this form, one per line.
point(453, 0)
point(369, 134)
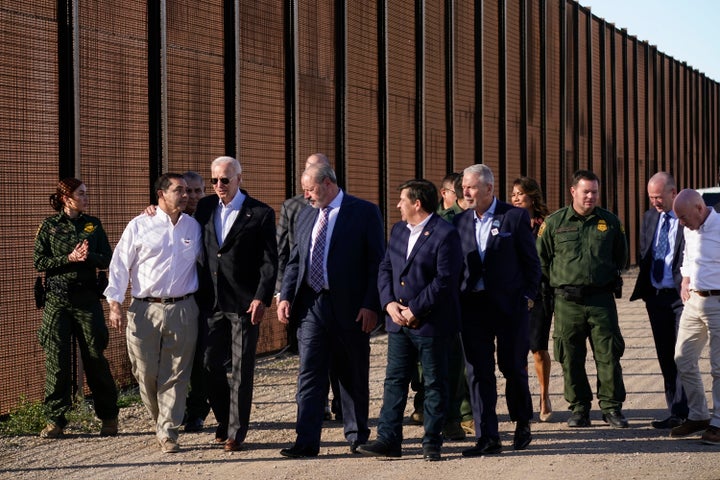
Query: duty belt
point(577, 293)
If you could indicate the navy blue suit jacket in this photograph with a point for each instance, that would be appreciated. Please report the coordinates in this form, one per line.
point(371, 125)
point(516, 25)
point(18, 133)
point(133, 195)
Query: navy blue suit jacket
point(511, 268)
point(245, 267)
point(643, 284)
point(427, 281)
point(356, 248)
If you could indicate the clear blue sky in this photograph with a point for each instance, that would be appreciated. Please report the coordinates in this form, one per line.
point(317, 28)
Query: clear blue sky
point(687, 30)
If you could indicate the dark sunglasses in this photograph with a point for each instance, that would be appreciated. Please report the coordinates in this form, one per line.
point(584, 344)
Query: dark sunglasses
point(223, 180)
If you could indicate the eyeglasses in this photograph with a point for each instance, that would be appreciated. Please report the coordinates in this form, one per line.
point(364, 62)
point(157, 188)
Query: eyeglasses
point(223, 180)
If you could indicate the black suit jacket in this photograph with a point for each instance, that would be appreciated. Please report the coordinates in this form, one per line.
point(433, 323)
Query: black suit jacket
point(356, 248)
point(650, 224)
point(245, 267)
point(427, 281)
point(511, 268)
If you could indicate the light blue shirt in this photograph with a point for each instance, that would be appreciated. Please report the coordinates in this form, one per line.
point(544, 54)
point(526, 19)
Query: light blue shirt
point(483, 226)
point(226, 215)
point(667, 281)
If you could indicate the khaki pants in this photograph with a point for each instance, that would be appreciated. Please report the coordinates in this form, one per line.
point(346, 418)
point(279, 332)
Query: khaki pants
point(161, 342)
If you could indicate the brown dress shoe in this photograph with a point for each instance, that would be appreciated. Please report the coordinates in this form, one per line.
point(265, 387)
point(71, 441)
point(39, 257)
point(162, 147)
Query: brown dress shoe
point(690, 427)
point(232, 445)
point(51, 430)
point(168, 445)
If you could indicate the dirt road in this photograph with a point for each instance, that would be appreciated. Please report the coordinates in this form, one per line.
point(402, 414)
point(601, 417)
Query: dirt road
point(556, 452)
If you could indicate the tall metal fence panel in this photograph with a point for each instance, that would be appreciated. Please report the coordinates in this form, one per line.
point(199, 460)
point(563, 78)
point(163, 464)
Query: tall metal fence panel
point(117, 93)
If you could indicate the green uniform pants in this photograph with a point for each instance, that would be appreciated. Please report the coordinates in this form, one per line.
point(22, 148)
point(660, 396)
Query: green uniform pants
point(594, 318)
point(87, 324)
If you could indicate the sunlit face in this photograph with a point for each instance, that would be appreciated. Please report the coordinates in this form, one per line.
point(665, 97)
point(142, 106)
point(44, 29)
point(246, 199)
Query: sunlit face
point(661, 197)
point(195, 191)
point(521, 199)
point(448, 195)
point(408, 208)
point(477, 195)
point(79, 200)
point(175, 198)
point(585, 196)
point(318, 195)
point(226, 191)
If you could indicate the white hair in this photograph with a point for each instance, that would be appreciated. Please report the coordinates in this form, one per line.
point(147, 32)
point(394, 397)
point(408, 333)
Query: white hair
point(237, 168)
point(482, 171)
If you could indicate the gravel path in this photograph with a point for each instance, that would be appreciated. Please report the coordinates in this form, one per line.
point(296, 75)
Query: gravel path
point(599, 452)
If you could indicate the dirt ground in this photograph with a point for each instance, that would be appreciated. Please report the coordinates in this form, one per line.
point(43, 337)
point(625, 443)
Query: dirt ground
point(599, 452)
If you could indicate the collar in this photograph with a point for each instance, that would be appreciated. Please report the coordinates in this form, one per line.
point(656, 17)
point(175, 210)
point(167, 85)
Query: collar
point(236, 203)
point(337, 201)
point(419, 226)
point(488, 213)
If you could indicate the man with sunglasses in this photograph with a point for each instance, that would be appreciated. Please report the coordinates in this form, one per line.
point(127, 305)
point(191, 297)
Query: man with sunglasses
point(237, 280)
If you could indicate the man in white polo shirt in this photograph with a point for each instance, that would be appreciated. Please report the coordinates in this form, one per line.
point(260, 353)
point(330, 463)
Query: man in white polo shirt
point(157, 255)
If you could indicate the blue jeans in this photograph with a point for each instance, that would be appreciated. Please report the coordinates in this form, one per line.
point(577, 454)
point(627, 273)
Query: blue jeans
point(404, 351)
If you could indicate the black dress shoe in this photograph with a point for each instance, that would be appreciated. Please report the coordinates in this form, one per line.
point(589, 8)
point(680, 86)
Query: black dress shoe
point(354, 446)
point(221, 434)
point(578, 419)
point(378, 448)
point(194, 425)
point(671, 422)
point(297, 451)
point(523, 437)
point(484, 446)
point(615, 419)
point(431, 453)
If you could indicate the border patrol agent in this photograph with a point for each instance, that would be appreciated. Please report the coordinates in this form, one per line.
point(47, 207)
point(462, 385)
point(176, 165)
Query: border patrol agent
point(582, 249)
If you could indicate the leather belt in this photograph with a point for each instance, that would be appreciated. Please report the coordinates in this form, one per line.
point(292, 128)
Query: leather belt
point(163, 300)
point(707, 293)
point(665, 291)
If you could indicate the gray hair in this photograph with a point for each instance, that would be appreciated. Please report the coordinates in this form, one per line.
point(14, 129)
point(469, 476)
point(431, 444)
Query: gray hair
point(319, 172)
point(482, 171)
point(236, 167)
point(193, 176)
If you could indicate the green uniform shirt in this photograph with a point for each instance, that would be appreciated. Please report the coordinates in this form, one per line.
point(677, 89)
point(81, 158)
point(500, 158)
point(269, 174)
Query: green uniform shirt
point(57, 237)
point(448, 214)
point(582, 251)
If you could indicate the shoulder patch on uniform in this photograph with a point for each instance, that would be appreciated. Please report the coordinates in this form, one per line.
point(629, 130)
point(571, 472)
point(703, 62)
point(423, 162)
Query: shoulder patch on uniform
point(542, 229)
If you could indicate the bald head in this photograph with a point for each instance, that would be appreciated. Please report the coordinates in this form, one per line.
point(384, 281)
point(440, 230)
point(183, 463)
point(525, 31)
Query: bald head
point(317, 159)
point(690, 209)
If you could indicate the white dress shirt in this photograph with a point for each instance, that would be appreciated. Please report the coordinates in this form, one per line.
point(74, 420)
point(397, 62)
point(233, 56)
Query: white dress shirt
point(332, 217)
point(157, 258)
point(701, 261)
point(415, 231)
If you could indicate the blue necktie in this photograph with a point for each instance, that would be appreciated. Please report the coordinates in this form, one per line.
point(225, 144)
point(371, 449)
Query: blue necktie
point(317, 274)
point(661, 250)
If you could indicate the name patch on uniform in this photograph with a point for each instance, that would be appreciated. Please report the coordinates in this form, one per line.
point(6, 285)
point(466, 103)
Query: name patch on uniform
point(602, 226)
point(566, 229)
